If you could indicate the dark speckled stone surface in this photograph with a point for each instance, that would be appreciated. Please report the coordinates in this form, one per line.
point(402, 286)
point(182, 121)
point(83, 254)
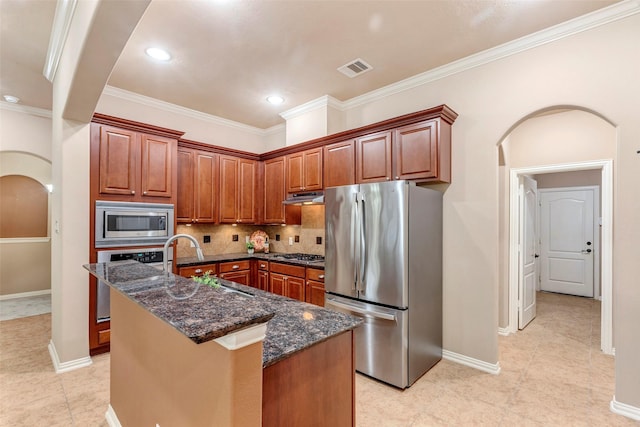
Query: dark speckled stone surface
point(272, 256)
point(202, 313)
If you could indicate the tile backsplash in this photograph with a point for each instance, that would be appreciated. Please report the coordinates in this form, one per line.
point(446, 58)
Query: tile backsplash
point(222, 242)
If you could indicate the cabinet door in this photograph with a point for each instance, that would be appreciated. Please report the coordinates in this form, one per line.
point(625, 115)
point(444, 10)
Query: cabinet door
point(185, 205)
point(118, 159)
point(277, 283)
point(339, 164)
point(295, 288)
point(228, 189)
point(157, 165)
point(314, 293)
point(263, 280)
point(415, 151)
point(312, 169)
point(242, 277)
point(206, 187)
point(274, 191)
point(246, 191)
point(295, 172)
point(373, 158)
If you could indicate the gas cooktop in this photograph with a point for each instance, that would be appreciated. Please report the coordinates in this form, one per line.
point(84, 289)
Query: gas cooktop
point(301, 257)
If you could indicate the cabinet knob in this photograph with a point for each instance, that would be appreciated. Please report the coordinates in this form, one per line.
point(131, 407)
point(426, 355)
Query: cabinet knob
point(388, 179)
point(321, 276)
point(133, 192)
point(196, 220)
point(235, 267)
point(263, 265)
point(199, 270)
point(397, 177)
point(144, 193)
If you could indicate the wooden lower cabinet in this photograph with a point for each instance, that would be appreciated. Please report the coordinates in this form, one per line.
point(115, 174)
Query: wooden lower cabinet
point(237, 271)
point(314, 387)
point(314, 291)
point(287, 280)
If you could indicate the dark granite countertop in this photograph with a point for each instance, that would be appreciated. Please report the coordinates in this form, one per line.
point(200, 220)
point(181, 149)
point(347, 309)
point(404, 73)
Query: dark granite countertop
point(272, 256)
point(203, 313)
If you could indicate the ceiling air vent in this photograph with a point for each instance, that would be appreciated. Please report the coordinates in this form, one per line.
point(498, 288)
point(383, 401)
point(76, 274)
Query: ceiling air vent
point(355, 68)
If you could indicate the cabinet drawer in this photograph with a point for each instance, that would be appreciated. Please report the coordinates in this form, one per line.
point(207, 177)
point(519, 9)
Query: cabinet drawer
point(226, 267)
point(289, 270)
point(315, 274)
point(198, 270)
point(263, 265)
point(104, 337)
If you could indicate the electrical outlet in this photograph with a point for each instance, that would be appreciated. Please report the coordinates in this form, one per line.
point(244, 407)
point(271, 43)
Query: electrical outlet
point(297, 239)
point(290, 241)
point(318, 240)
point(246, 239)
point(234, 238)
point(277, 237)
point(206, 239)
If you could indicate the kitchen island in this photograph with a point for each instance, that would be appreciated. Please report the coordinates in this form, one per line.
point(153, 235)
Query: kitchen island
point(183, 353)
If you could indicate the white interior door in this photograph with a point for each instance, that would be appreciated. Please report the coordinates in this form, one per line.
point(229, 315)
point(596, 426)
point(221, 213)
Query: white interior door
point(567, 241)
point(528, 271)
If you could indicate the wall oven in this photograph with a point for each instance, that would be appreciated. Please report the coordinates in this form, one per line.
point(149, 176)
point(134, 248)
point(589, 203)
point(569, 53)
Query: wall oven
point(132, 224)
point(150, 256)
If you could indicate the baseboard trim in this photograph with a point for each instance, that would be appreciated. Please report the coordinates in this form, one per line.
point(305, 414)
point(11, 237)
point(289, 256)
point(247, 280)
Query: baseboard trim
point(491, 368)
point(504, 331)
point(624, 409)
point(112, 418)
point(25, 294)
point(72, 365)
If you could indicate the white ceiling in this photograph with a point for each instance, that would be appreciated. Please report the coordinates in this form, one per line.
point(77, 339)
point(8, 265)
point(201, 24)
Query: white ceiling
point(229, 55)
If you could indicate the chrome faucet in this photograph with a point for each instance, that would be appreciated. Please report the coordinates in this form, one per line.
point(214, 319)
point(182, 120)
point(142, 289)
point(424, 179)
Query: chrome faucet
point(165, 251)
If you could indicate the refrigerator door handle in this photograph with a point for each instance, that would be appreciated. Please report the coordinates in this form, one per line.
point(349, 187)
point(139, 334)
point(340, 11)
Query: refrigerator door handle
point(363, 245)
point(354, 237)
point(362, 311)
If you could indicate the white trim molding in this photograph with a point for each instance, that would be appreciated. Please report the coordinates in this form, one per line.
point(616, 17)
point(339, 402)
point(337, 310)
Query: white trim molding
point(71, 365)
point(491, 368)
point(11, 240)
point(25, 109)
point(112, 418)
point(59, 32)
point(624, 409)
point(25, 294)
point(606, 248)
point(243, 337)
point(504, 331)
point(323, 101)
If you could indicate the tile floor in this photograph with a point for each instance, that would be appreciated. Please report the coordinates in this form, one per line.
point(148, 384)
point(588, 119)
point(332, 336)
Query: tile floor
point(22, 307)
point(553, 374)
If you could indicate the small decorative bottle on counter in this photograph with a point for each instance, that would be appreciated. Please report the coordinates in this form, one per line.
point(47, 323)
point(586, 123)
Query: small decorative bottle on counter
point(266, 245)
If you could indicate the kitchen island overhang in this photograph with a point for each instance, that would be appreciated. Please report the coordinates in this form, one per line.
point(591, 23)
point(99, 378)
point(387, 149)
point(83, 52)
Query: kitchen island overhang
point(166, 328)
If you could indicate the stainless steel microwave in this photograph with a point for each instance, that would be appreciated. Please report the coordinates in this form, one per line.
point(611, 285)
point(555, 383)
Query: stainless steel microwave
point(132, 224)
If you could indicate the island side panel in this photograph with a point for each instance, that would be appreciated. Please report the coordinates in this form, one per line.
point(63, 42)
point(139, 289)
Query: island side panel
point(315, 387)
point(159, 376)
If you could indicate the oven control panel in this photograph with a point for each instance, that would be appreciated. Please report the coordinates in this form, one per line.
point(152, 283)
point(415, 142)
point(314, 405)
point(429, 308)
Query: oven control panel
point(144, 257)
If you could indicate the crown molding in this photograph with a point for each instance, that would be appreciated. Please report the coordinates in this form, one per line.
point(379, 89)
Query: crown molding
point(323, 101)
point(59, 32)
point(173, 108)
point(586, 22)
point(275, 129)
point(25, 109)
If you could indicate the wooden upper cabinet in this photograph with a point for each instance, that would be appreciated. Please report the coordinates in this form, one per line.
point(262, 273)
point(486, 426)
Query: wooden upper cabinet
point(237, 190)
point(157, 165)
point(118, 150)
point(339, 164)
point(373, 158)
point(134, 165)
point(274, 191)
point(197, 186)
point(304, 171)
point(415, 151)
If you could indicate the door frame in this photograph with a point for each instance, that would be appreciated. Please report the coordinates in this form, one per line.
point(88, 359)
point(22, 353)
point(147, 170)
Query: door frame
point(597, 291)
point(606, 244)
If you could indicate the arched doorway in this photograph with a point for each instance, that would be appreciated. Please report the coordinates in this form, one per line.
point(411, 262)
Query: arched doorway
point(552, 141)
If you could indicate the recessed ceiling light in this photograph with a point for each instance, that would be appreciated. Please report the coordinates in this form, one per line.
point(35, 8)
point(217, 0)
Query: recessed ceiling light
point(159, 54)
point(12, 99)
point(275, 99)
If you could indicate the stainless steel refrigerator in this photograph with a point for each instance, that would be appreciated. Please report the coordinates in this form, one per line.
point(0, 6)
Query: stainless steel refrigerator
point(383, 262)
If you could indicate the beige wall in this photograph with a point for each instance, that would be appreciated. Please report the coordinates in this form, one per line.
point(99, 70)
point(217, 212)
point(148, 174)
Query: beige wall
point(569, 179)
point(25, 266)
point(25, 133)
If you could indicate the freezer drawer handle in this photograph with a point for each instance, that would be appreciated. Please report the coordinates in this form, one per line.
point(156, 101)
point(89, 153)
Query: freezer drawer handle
point(371, 313)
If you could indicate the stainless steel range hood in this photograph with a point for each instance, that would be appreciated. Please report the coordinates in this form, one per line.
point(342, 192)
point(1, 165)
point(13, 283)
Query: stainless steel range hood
point(308, 198)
